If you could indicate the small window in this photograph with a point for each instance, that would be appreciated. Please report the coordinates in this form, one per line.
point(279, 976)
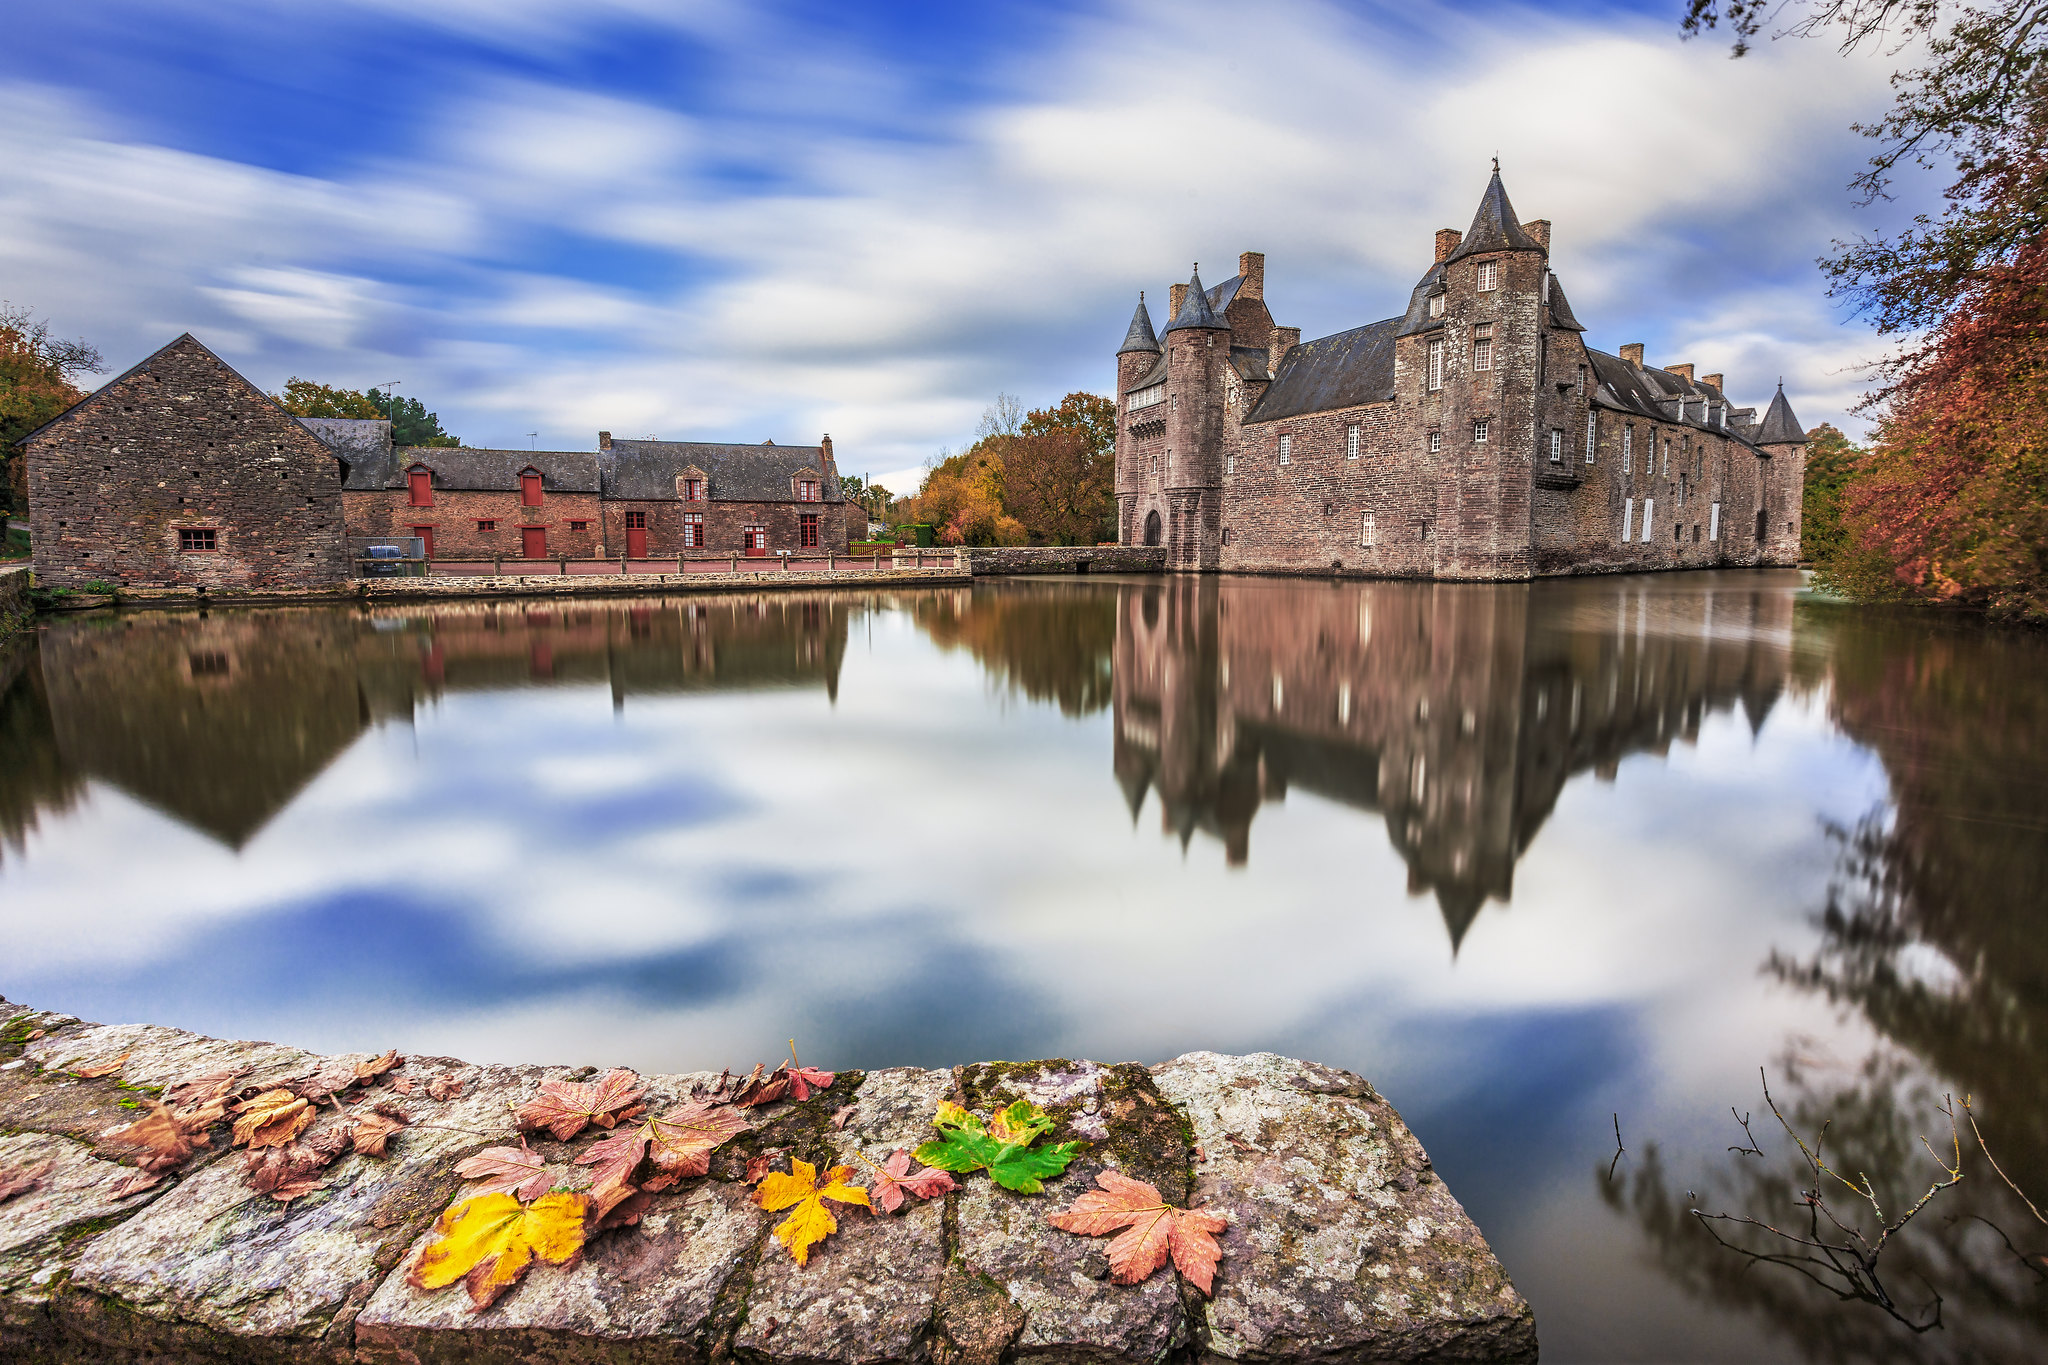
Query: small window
point(1173, 403)
point(693, 530)
point(198, 540)
point(1436, 305)
point(693, 490)
point(1286, 448)
point(1628, 519)
point(1592, 434)
point(1667, 457)
point(1556, 446)
point(1482, 346)
point(1436, 364)
point(1714, 522)
point(1489, 276)
point(1580, 388)
point(807, 530)
point(1152, 465)
point(1436, 442)
point(1351, 442)
point(1628, 449)
point(636, 521)
point(807, 490)
point(487, 526)
point(1368, 532)
point(1479, 432)
point(1649, 511)
point(1230, 464)
point(579, 526)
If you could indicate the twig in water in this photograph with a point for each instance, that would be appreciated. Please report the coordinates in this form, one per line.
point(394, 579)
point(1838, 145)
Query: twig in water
point(1618, 1148)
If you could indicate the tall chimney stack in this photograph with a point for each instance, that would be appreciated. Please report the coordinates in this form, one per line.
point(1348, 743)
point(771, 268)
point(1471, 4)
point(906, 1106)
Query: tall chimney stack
point(1175, 297)
point(1251, 269)
point(1447, 240)
point(1713, 381)
point(1682, 371)
point(825, 444)
point(1285, 339)
point(604, 440)
point(1540, 230)
point(1632, 354)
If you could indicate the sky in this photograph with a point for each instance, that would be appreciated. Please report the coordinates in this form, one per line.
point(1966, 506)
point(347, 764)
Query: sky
point(744, 222)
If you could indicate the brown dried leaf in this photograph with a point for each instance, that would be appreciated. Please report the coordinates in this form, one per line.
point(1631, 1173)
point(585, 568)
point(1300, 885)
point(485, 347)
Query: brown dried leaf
point(1149, 1230)
point(443, 1087)
point(271, 1119)
point(619, 1206)
point(22, 1179)
point(368, 1133)
point(759, 1092)
point(403, 1085)
point(36, 1033)
point(377, 1066)
point(287, 1172)
point(99, 1069)
point(758, 1166)
point(195, 1091)
point(508, 1170)
point(840, 1116)
point(135, 1182)
point(566, 1108)
point(158, 1141)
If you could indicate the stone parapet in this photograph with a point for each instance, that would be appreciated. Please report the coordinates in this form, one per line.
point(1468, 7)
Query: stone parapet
point(998, 560)
point(1342, 1244)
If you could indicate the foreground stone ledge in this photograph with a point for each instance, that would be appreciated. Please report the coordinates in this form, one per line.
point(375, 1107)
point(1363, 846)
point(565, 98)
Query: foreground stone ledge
point(1343, 1244)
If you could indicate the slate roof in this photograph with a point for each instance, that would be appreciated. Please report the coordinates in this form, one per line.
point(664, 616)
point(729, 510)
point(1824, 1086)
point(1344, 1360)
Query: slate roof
point(1223, 295)
point(1141, 336)
point(1494, 226)
point(363, 443)
point(1340, 371)
point(647, 470)
point(470, 469)
point(1560, 310)
point(1779, 427)
point(1647, 392)
point(1250, 363)
point(1196, 310)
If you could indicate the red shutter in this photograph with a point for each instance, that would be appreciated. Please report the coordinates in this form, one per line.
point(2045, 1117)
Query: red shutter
point(529, 490)
point(421, 485)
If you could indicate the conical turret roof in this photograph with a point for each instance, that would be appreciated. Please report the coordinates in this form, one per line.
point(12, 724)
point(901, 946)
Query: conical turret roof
point(1140, 337)
point(1780, 426)
point(1195, 310)
point(1494, 226)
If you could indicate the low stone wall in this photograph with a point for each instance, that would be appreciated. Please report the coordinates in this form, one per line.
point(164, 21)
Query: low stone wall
point(1342, 1244)
point(15, 608)
point(991, 561)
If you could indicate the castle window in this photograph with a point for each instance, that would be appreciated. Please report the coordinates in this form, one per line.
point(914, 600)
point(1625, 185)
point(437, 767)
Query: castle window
point(1436, 305)
point(1681, 407)
point(807, 490)
point(1230, 464)
point(1667, 457)
point(487, 526)
point(1286, 448)
point(1479, 432)
point(693, 530)
point(693, 490)
point(1628, 452)
point(1581, 382)
point(1351, 442)
point(1649, 507)
point(1628, 518)
point(1145, 398)
point(1592, 434)
point(1152, 465)
point(1714, 522)
point(198, 540)
point(1556, 446)
point(1368, 532)
point(636, 521)
point(1436, 442)
point(579, 526)
point(1482, 346)
point(1489, 275)
point(807, 530)
point(1436, 363)
point(1174, 406)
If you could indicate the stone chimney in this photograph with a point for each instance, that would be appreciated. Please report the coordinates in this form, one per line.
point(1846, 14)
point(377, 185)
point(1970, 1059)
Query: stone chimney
point(1175, 297)
point(1713, 381)
point(604, 440)
point(1447, 240)
point(1251, 267)
point(1285, 339)
point(1682, 371)
point(1540, 230)
point(1632, 354)
point(825, 444)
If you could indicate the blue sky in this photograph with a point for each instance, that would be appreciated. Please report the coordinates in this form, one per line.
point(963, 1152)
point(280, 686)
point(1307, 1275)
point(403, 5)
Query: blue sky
point(751, 221)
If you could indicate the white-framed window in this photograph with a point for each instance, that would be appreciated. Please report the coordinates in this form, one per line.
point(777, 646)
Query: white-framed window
point(1479, 432)
point(1681, 407)
point(1436, 442)
point(1173, 405)
point(1145, 398)
point(1722, 414)
point(1556, 446)
point(1628, 519)
point(1286, 447)
point(1714, 521)
point(1436, 305)
point(1368, 532)
point(1489, 275)
point(1436, 364)
point(1649, 509)
point(1581, 382)
point(1351, 442)
point(1667, 457)
point(1628, 449)
point(1592, 434)
point(1152, 465)
point(1482, 346)
point(1230, 464)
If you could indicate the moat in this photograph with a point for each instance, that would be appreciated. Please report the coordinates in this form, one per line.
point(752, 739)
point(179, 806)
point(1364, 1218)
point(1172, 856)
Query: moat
point(1540, 861)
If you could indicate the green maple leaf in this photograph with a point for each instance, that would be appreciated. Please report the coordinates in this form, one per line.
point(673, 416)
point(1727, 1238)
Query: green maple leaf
point(1002, 1146)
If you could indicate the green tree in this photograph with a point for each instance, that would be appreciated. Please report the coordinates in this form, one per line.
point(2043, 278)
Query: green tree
point(411, 423)
point(36, 370)
point(1831, 459)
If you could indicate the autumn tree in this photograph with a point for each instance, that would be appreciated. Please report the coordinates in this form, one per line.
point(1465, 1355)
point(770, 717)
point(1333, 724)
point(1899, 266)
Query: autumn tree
point(36, 373)
point(1831, 459)
point(1059, 488)
point(411, 423)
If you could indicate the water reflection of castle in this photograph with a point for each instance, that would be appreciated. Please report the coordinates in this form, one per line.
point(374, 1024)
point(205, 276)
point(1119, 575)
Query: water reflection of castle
point(221, 719)
point(1456, 711)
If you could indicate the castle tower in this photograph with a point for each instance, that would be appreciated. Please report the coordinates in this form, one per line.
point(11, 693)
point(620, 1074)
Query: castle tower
point(1137, 428)
point(1781, 490)
point(1191, 465)
point(1471, 365)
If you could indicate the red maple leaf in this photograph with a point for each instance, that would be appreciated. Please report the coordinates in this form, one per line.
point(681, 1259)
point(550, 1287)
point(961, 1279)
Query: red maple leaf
point(893, 1180)
point(1149, 1230)
point(679, 1143)
point(566, 1108)
point(510, 1170)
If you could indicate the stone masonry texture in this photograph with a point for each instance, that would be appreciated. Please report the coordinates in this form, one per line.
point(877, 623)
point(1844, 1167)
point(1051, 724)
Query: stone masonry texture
point(1343, 1245)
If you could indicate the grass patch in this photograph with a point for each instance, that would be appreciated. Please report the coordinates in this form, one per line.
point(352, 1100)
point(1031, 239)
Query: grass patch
point(16, 544)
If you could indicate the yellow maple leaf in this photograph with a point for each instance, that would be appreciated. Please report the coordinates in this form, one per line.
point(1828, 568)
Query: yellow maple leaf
point(810, 1222)
point(490, 1240)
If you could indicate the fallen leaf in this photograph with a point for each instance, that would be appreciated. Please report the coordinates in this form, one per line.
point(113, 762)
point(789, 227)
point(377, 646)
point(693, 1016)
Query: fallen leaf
point(368, 1133)
point(488, 1241)
point(758, 1166)
point(271, 1119)
point(287, 1172)
point(135, 1182)
point(508, 1170)
point(36, 1033)
point(618, 1207)
point(201, 1090)
point(809, 1222)
point(158, 1140)
point(566, 1108)
point(22, 1179)
point(758, 1090)
point(1001, 1146)
point(99, 1069)
point(403, 1085)
point(1150, 1230)
point(337, 1076)
point(893, 1180)
point(679, 1143)
point(377, 1066)
point(802, 1078)
point(840, 1116)
point(443, 1087)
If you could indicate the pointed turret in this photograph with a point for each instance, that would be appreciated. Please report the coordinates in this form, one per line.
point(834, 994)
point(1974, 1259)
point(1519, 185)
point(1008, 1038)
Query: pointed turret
point(1195, 310)
point(1494, 226)
point(1141, 336)
point(1780, 427)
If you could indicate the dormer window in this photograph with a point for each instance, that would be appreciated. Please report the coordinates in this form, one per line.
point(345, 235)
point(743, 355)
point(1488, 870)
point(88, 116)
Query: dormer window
point(1436, 305)
point(1489, 276)
point(807, 490)
point(529, 488)
point(419, 485)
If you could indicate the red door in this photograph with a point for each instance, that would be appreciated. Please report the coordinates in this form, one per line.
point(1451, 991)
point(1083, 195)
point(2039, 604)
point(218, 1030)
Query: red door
point(757, 542)
point(533, 541)
point(636, 542)
point(426, 535)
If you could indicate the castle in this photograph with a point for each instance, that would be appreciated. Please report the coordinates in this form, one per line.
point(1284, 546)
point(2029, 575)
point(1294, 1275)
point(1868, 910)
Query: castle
point(1474, 436)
